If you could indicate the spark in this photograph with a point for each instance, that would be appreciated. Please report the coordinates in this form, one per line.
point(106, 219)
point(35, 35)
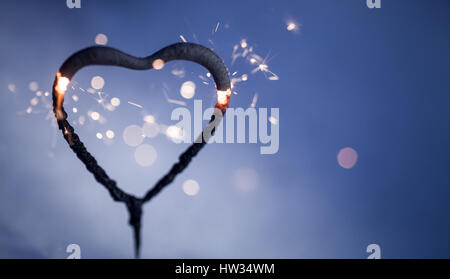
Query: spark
point(255, 99)
point(134, 104)
point(99, 135)
point(291, 26)
point(243, 43)
point(217, 27)
point(183, 39)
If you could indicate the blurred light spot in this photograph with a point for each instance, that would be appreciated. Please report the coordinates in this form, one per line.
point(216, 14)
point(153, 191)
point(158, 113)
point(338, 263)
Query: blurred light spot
point(132, 135)
point(208, 74)
point(97, 82)
point(75, 110)
point(245, 179)
point(46, 94)
point(244, 77)
point(99, 135)
point(145, 155)
point(252, 60)
point(95, 115)
point(187, 89)
point(101, 39)
point(174, 132)
point(150, 130)
point(158, 64)
point(149, 118)
point(12, 87)
point(110, 107)
point(91, 90)
point(183, 39)
point(115, 102)
point(191, 187)
point(29, 110)
point(34, 101)
point(81, 119)
point(291, 26)
point(243, 43)
point(110, 134)
point(39, 93)
point(178, 72)
point(33, 86)
point(347, 157)
point(273, 120)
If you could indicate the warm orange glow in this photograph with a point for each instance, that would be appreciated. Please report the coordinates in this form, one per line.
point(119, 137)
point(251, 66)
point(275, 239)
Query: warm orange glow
point(158, 64)
point(223, 97)
point(61, 88)
point(61, 84)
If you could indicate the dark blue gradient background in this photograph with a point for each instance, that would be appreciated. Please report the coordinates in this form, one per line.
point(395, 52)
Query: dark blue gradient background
point(375, 80)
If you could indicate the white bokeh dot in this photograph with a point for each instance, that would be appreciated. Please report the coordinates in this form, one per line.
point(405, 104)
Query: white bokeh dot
point(347, 157)
point(145, 155)
point(187, 89)
point(150, 130)
point(133, 135)
point(191, 187)
point(97, 82)
point(101, 39)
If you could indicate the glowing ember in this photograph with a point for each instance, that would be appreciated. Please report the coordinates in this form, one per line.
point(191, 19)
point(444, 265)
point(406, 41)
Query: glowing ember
point(223, 96)
point(158, 64)
point(99, 135)
point(61, 84)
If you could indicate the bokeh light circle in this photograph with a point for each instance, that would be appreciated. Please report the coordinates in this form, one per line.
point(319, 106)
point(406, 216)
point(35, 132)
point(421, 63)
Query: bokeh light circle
point(347, 157)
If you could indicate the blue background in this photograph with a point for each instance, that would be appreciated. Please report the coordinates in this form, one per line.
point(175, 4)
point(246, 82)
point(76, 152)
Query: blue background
point(376, 80)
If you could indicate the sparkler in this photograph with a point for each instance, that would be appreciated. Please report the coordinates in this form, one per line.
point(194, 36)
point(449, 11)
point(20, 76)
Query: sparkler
point(101, 55)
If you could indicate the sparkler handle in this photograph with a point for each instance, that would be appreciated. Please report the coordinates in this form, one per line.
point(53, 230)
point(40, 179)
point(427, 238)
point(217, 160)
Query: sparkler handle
point(101, 55)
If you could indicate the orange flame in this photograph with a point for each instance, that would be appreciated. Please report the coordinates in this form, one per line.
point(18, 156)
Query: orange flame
point(61, 84)
point(61, 88)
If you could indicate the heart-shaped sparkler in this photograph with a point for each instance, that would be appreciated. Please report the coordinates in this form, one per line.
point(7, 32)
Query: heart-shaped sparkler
point(100, 55)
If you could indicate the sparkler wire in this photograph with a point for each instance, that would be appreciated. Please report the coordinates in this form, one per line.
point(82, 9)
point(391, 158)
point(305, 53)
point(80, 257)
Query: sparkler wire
point(101, 55)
